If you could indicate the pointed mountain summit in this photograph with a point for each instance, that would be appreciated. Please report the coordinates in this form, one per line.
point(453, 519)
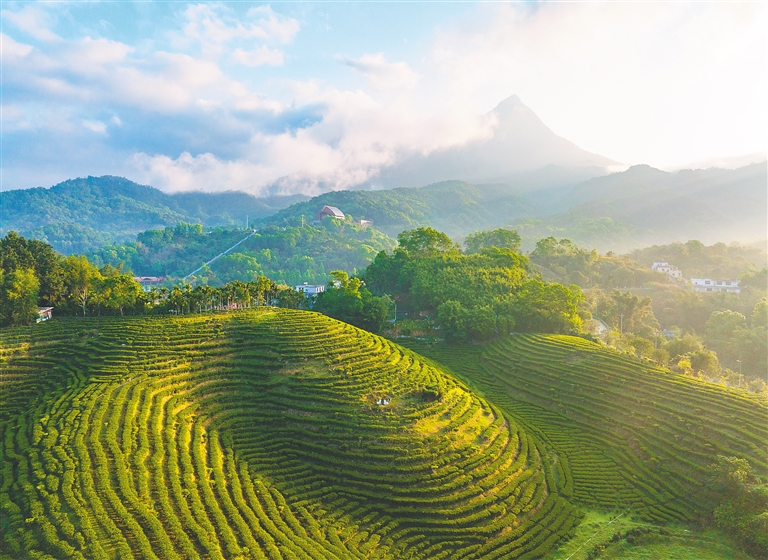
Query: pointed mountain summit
point(521, 144)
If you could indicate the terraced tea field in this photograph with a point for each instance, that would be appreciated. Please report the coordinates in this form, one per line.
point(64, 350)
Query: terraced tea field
point(635, 438)
point(266, 434)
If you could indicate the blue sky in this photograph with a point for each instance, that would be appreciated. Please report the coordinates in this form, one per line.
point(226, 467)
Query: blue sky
point(218, 96)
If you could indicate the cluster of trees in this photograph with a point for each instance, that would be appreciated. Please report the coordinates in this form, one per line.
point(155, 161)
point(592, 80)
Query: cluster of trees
point(730, 347)
point(743, 508)
point(473, 295)
point(562, 261)
point(32, 274)
point(698, 260)
point(288, 255)
point(347, 299)
point(719, 336)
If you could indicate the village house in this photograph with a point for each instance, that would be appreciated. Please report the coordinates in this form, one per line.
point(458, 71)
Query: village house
point(148, 282)
point(331, 211)
point(310, 289)
point(668, 269)
point(43, 314)
point(710, 285)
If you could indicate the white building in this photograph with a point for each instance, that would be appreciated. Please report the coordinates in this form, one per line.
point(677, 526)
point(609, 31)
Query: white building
point(310, 289)
point(670, 270)
point(44, 314)
point(710, 285)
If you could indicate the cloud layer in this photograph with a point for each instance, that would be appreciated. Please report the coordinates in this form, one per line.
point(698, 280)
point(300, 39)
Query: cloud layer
point(218, 96)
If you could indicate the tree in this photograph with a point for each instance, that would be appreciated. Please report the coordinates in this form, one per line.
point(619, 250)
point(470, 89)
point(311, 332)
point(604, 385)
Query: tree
point(501, 238)
point(452, 319)
point(346, 299)
point(425, 241)
point(629, 313)
point(121, 291)
point(706, 362)
point(16, 253)
point(759, 315)
point(553, 308)
point(680, 347)
point(80, 278)
point(19, 298)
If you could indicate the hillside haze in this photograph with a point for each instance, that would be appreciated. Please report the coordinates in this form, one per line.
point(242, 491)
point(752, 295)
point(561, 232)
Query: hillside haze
point(643, 206)
point(521, 144)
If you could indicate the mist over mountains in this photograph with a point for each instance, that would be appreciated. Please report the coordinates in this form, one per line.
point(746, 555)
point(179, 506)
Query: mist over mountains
point(524, 176)
point(521, 144)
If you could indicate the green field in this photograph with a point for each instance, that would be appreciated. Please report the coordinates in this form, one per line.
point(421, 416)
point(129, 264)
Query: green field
point(286, 434)
point(637, 440)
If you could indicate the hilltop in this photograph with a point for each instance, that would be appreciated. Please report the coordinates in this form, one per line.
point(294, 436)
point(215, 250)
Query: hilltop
point(279, 434)
point(619, 212)
point(86, 213)
point(287, 434)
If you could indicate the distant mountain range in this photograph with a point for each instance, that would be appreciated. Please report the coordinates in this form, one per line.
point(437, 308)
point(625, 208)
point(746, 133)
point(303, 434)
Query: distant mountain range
point(524, 176)
point(644, 206)
point(83, 214)
point(521, 150)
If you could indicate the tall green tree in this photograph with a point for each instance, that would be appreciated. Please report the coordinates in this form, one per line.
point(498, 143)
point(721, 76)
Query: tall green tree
point(501, 238)
point(19, 298)
point(121, 291)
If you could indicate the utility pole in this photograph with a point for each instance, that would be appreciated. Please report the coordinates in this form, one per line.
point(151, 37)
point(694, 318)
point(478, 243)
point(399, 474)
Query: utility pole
point(302, 220)
point(246, 221)
point(621, 323)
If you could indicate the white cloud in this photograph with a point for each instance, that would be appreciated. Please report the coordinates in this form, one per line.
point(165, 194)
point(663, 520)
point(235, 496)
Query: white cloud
point(95, 126)
point(382, 74)
point(33, 21)
point(355, 138)
point(258, 56)
point(12, 50)
point(218, 30)
point(638, 82)
point(204, 172)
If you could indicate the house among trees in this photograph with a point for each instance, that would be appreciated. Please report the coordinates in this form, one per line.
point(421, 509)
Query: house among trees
point(148, 282)
point(331, 211)
point(43, 314)
point(710, 285)
point(670, 270)
point(366, 223)
point(310, 289)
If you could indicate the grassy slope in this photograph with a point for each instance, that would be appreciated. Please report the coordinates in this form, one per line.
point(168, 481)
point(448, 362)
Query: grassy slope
point(257, 435)
point(637, 439)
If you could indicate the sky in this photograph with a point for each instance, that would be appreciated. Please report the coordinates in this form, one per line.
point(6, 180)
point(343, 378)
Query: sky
point(221, 96)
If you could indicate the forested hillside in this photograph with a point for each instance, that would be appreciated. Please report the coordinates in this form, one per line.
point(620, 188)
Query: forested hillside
point(644, 206)
point(288, 255)
point(83, 214)
point(456, 207)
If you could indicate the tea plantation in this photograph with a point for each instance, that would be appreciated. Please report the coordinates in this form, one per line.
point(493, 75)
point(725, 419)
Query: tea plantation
point(286, 434)
point(634, 439)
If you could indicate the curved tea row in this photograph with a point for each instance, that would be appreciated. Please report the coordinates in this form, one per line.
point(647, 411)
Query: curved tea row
point(263, 434)
point(635, 437)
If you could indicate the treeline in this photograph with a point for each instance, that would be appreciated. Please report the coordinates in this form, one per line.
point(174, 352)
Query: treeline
point(717, 336)
point(288, 255)
point(32, 274)
point(474, 295)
